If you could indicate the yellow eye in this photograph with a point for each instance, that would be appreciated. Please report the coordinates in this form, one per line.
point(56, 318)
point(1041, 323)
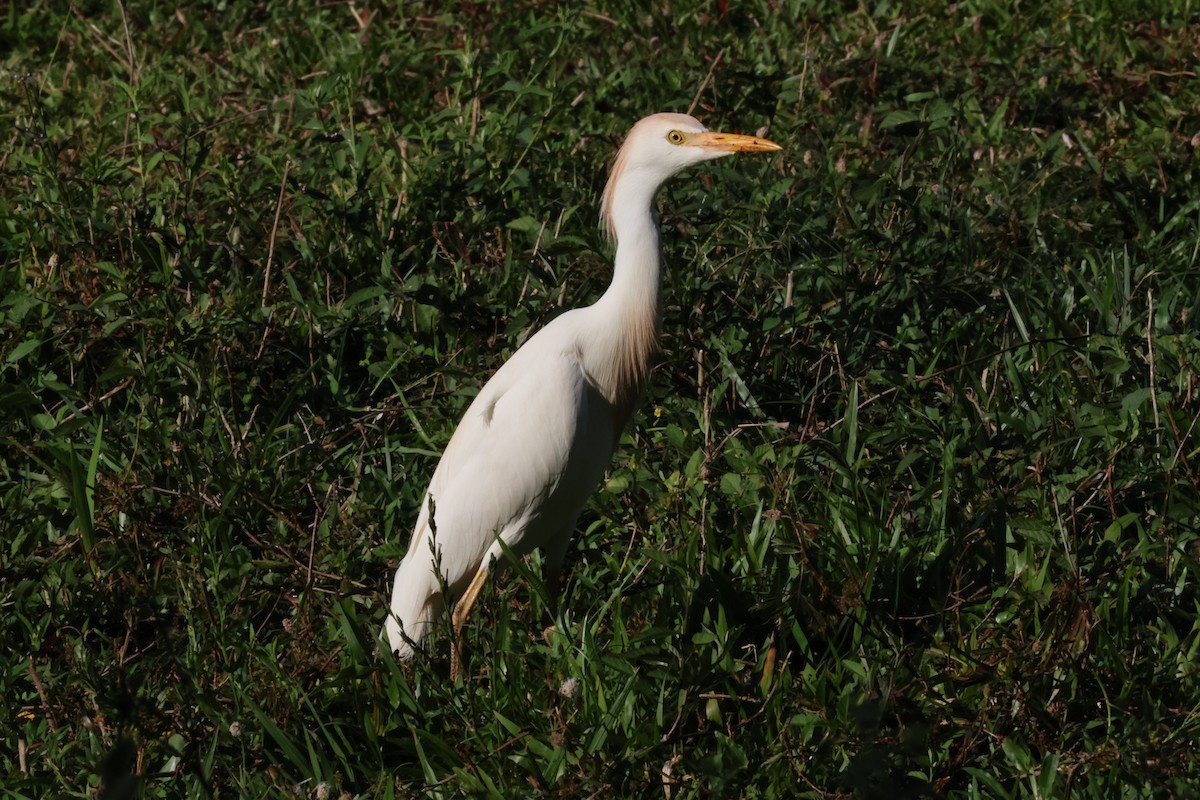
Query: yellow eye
point(675, 137)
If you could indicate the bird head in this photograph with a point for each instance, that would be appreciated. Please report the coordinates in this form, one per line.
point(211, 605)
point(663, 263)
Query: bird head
point(662, 145)
point(673, 142)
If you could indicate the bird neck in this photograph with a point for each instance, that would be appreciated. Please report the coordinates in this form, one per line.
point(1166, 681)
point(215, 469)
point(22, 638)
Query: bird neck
point(631, 309)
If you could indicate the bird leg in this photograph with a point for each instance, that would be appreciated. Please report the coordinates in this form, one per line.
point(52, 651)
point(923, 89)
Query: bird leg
point(462, 610)
point(552, 572)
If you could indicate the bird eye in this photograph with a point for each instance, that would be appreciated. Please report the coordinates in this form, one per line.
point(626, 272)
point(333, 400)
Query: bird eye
point(675, 137)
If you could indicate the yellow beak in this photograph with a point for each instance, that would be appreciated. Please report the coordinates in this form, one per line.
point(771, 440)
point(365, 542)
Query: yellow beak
point(731, 142)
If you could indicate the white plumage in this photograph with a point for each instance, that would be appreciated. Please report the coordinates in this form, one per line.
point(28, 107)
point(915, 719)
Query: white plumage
point(537, 439)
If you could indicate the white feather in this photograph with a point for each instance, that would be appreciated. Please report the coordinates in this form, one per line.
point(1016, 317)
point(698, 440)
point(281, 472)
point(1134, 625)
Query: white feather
point(536, 441)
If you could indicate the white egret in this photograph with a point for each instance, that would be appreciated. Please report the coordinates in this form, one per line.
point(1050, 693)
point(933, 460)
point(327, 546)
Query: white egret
point(537, 439)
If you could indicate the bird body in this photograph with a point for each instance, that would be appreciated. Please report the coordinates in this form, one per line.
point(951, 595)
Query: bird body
point(527, 497)
point(536, 441)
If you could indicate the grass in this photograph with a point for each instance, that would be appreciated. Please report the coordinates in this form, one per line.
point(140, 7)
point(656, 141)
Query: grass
point(912, 507)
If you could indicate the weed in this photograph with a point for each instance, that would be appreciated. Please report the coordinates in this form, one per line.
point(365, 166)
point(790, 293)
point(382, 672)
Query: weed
point(911, 507)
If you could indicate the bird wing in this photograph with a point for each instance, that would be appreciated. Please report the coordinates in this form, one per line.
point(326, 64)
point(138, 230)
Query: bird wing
point(524, 459)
